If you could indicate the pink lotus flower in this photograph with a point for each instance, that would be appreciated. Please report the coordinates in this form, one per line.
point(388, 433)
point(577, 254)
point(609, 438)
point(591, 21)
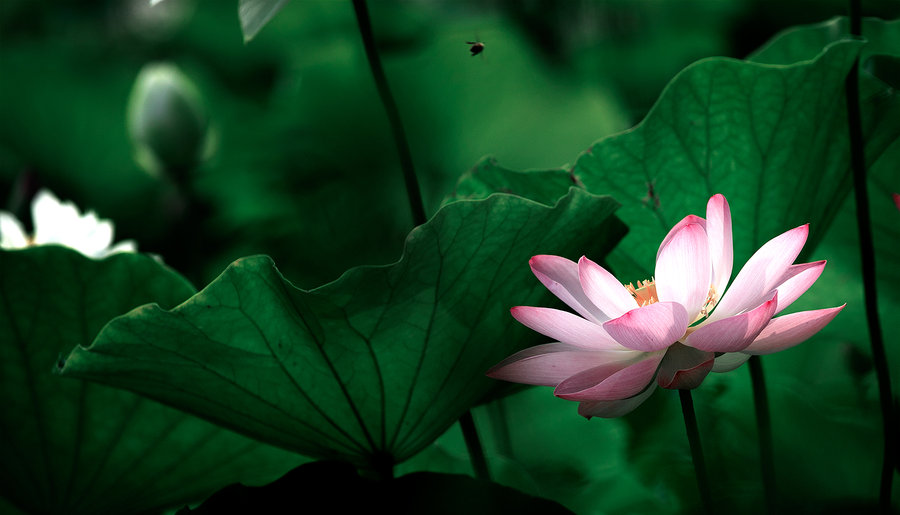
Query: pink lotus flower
point(671, 331)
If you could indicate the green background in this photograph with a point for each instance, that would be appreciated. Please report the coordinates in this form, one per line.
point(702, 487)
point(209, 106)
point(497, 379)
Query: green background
point(302, 167)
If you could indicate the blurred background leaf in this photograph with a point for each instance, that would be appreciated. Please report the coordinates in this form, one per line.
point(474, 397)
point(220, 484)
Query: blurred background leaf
point(254, 14)
point(555, 76)
point(74, 447)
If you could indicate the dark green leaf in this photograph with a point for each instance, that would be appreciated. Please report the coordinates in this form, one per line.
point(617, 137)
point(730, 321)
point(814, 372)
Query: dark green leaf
point(75, 447)
point(772, 139)
point(487, 178)
point(254, 14)
point(377, 363)
point(338, 486)
point(806, 42)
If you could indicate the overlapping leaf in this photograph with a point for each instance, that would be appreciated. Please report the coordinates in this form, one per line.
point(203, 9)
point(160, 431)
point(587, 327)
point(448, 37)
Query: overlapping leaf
point(369, 368)
point(488, 177)
point(74, 447)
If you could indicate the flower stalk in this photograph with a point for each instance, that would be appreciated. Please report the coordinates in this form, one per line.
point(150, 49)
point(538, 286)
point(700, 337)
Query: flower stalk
point(867, 255)
point(473, 445)
point(413, 193)
point(693, 434)
point(390, 106)
point(764, 432)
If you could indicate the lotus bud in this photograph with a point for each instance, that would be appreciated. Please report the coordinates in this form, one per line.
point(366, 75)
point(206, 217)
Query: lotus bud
point(167, 121)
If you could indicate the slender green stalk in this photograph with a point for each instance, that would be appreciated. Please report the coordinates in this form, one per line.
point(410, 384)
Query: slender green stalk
point(867, 254)
point(473, 444)
point(500, 425)
point(387, 99)
point(764, 432)
point(693, 434)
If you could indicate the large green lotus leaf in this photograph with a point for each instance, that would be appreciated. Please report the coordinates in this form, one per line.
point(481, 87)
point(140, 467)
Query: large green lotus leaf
point(70, 446)
point(369, 368)
point(771, 138)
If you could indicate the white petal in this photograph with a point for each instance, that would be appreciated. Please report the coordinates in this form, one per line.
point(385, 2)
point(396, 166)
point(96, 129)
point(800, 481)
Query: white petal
point(789, 330)
point(763, 272)
point(565, 327)
point(560, 276)
point(604, 290)
point(96, 236)
point(650, 328)
point(796, 281)
point(552, 363)
point(683, 270)
point(734, 333)
point(611, 381)
point(54, 222)
point(124, 246)
point(12, 234)
point(617, 408)
point(718, 230)
point(729, 361)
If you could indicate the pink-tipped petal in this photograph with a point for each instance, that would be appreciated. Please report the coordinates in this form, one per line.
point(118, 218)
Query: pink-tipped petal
point(718, 230)
point(610, 381)
point(613, 409)
point(650, 328)
point(789, 330)
point(729, 361)
point(896, 197)
point(683, 270)
point(603, 289)
point(735, 333)
point(796, 281)
point(762, 273)
point(560, 276)
point(565, 327)
point(689, 219)
point(684, 368)
point(551, 363)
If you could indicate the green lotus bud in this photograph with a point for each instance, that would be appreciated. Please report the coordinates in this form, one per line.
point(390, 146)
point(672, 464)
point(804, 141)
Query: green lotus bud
point(166, 120)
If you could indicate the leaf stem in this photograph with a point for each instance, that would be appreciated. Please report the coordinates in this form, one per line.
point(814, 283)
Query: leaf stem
point(473, 444)
point(387, 99)
point(867, 255)
point(693, 434)
point(764, 432)
point(500, 425)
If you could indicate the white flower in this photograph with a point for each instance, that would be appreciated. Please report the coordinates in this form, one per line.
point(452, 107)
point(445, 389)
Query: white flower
point(60, 223)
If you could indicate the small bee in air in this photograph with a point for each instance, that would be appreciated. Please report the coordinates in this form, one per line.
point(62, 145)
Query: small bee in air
point(477, 47)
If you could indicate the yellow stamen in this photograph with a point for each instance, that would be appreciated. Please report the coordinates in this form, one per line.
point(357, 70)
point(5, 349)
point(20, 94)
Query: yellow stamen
point(644, 294)
point(710, 302)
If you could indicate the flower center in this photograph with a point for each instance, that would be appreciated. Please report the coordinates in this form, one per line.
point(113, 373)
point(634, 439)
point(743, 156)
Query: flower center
point(709, 303)
point(644, 294)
